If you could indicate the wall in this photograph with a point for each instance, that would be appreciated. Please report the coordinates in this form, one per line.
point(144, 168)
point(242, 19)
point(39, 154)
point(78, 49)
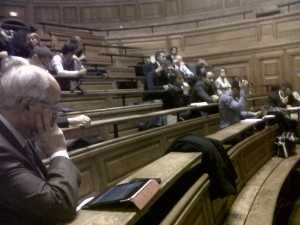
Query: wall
point(266, 50)
point(105, 13)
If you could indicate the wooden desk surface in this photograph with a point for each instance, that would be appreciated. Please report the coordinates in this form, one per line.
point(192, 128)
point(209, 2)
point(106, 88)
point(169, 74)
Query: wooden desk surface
point(169, 168)
point(231, 131)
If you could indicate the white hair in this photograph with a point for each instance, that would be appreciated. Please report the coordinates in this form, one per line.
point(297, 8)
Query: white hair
point(19, 82)
point(11, 61)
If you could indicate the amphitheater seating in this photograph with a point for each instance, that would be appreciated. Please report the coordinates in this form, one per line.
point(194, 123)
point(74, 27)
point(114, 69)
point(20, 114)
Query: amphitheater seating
point(101, 164)
point(104, 156)
point(256, 204)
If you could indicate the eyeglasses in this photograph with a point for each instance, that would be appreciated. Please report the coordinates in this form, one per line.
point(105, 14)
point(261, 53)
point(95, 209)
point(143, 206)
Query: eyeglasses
point(54, 107)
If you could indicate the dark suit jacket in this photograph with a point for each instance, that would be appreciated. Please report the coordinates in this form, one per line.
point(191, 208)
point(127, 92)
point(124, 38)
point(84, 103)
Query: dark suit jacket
point(201, 92)
point(275, 100)
point(174, 98)
point(29, 193)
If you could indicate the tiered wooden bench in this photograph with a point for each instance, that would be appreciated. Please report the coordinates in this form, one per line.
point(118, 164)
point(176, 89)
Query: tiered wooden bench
point(111, 55)
point(97, 114)
point(99, 127)
point(256, 203)
point(103, 99)
point(100, 83)
point(232, 131)
point(104, 164)
point(169, 168)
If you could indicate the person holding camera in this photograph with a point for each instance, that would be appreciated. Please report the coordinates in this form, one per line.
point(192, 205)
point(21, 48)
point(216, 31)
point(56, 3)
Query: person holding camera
point(232, 104)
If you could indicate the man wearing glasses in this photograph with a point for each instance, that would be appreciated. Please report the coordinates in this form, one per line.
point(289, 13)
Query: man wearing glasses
point(30, 193)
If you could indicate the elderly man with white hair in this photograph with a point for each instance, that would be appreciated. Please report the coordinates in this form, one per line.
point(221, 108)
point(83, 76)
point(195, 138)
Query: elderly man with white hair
point(31, 193)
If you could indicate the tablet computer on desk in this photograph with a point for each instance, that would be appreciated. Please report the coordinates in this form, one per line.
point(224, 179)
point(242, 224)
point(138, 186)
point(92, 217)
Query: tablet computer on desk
point(137, 194)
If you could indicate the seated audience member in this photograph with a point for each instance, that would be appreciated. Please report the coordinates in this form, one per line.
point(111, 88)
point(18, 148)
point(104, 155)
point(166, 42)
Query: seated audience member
point(41, 56)
point(64, 64)
point(205, 91)
point(34, 40)
point(155, 61)
point(79, 51)
point(31, 193)
point(44, 52)
point(5, 45)
point(222, 84)
point(177, 93)
point(21, 44)
point(232, 105)
point(283, 97)
point(157, 79)
point(173, 52)
point(294, 98)
point(180, 65)
point(200, 69)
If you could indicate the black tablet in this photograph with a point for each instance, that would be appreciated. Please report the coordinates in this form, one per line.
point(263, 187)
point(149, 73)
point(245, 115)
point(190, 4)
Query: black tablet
point(117, 195)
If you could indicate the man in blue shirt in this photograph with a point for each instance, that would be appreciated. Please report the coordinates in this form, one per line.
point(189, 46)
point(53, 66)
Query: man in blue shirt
point(232, 105)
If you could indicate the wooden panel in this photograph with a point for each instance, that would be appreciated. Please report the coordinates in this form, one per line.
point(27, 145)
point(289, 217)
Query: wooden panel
point(294, 67)
point(98, 85)
point(150, 10)
point(253, 157)
point(227, 37)
point(83, 104)
point(267, 32)
point(47, 14)
point(194, 207)
point(70, 15)
point(131, 157)
point(129, 12)
point(288, 28)
point(192, 6)
point(270, 68)
point(234, 68)
point(171, 8)
point(232, 3)
point(175, 27)
point(99, 13)
point(245, 2)
point(89, 178)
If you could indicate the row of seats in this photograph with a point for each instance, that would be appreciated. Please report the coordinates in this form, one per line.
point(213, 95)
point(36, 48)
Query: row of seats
point(258, 147)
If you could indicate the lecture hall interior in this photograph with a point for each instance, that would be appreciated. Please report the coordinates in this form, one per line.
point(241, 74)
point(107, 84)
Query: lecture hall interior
point(237, 174)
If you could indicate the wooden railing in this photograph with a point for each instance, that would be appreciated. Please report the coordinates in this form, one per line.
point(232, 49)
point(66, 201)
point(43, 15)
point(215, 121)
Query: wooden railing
point(98, 127)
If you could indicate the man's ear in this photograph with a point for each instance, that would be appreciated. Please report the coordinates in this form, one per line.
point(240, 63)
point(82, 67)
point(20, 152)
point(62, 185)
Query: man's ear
point(26, 104)
point(35, 57)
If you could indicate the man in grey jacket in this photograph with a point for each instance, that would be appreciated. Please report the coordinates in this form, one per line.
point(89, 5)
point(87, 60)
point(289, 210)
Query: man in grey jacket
point(232, 104)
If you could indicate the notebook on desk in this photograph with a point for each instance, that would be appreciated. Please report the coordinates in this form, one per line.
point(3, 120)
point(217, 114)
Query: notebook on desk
point(136, 193)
